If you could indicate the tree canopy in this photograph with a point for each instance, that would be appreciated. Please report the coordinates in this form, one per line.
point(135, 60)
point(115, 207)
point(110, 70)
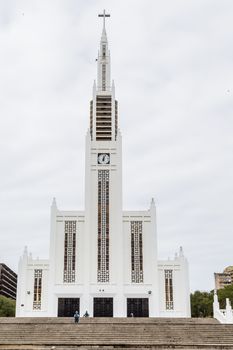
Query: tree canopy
point(226, 292)
point(7, 307)
point(202, 302)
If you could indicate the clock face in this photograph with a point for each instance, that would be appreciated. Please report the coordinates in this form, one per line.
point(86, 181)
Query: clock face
point(103, 158)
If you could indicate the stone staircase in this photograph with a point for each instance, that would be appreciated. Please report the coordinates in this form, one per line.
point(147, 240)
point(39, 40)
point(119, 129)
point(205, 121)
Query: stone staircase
point(117, 333)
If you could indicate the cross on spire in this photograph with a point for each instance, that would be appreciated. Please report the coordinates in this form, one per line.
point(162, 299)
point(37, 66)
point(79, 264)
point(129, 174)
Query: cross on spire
point(104, 15)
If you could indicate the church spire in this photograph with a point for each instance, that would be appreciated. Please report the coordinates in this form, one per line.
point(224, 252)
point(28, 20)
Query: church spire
point(104, 14)
point(103, 107)
point(103, 73)
point(104, 34)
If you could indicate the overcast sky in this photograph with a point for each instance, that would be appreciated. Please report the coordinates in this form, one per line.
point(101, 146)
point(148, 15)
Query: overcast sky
point(172, 62)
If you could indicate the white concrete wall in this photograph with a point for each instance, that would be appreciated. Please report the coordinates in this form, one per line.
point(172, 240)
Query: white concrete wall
point(181, 293)
point(224, 316)
point(25, 287)
point(120, 286)
point(149, 287)
point(57, 287)
point(61, 217)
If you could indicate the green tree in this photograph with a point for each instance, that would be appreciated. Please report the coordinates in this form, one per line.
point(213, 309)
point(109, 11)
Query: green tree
point(202, 304)
point(226, 292)
point(7, 307)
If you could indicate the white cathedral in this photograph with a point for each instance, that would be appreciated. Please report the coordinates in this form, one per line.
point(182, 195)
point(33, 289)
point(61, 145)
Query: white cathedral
point(103, 260)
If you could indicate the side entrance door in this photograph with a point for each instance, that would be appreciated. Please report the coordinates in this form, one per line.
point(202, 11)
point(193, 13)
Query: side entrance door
point(103, 307)
point(137, 307)
point(67, 307)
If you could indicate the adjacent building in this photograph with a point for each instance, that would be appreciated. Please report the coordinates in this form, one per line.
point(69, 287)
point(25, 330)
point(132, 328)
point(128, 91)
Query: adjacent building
point(103, 259)
point(223, 279)
point(8, 282)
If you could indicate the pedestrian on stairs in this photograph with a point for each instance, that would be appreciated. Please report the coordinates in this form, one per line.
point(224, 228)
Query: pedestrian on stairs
point(76, 317)
point(86, 314)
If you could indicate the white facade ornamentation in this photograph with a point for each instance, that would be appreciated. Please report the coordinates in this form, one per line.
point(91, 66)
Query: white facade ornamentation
point(222, 315)
point(103, 260)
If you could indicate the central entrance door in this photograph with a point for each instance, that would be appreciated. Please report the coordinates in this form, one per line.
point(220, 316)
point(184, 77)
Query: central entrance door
point(67, 307)
point(138, 307)
point(103, 307)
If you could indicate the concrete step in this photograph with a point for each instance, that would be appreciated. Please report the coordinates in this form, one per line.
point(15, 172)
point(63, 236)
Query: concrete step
point(156, 347)
point(108, 320)
point(105, 333)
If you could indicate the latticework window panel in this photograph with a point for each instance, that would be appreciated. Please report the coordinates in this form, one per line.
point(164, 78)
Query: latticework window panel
point(104, 77)
point(91, 119)
point(116, 118)
point(69, 251)
point(103, 118)
point(169, 290)
point(103, 226)
point(37, 289)
point(136, 252)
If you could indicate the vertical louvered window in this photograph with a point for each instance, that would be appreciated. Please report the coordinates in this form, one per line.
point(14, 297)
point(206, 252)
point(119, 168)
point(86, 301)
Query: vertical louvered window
point(169, 290)
point(37, 289)
point(116, 119)
point(136, 252)
point(104, 77)
point(104, 118)
point(69, 251)
point(91, 119)
point(103, 226)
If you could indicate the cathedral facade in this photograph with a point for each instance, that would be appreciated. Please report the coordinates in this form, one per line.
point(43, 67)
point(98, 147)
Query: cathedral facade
point(103, 260)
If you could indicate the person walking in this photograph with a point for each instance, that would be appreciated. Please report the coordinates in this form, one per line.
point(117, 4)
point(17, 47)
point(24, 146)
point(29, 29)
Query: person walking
point(76, 317)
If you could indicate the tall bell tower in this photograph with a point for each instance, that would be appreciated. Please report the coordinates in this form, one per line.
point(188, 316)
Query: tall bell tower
point(103, 177)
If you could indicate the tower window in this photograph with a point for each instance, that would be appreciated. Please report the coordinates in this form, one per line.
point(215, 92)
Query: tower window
point(37, 289)
point(104, 77)
point(103, 118)
point(169, 290)
point(69, 251)
point(103, 226)
point(91, 118)
point(136, 252)
point(104, 50)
